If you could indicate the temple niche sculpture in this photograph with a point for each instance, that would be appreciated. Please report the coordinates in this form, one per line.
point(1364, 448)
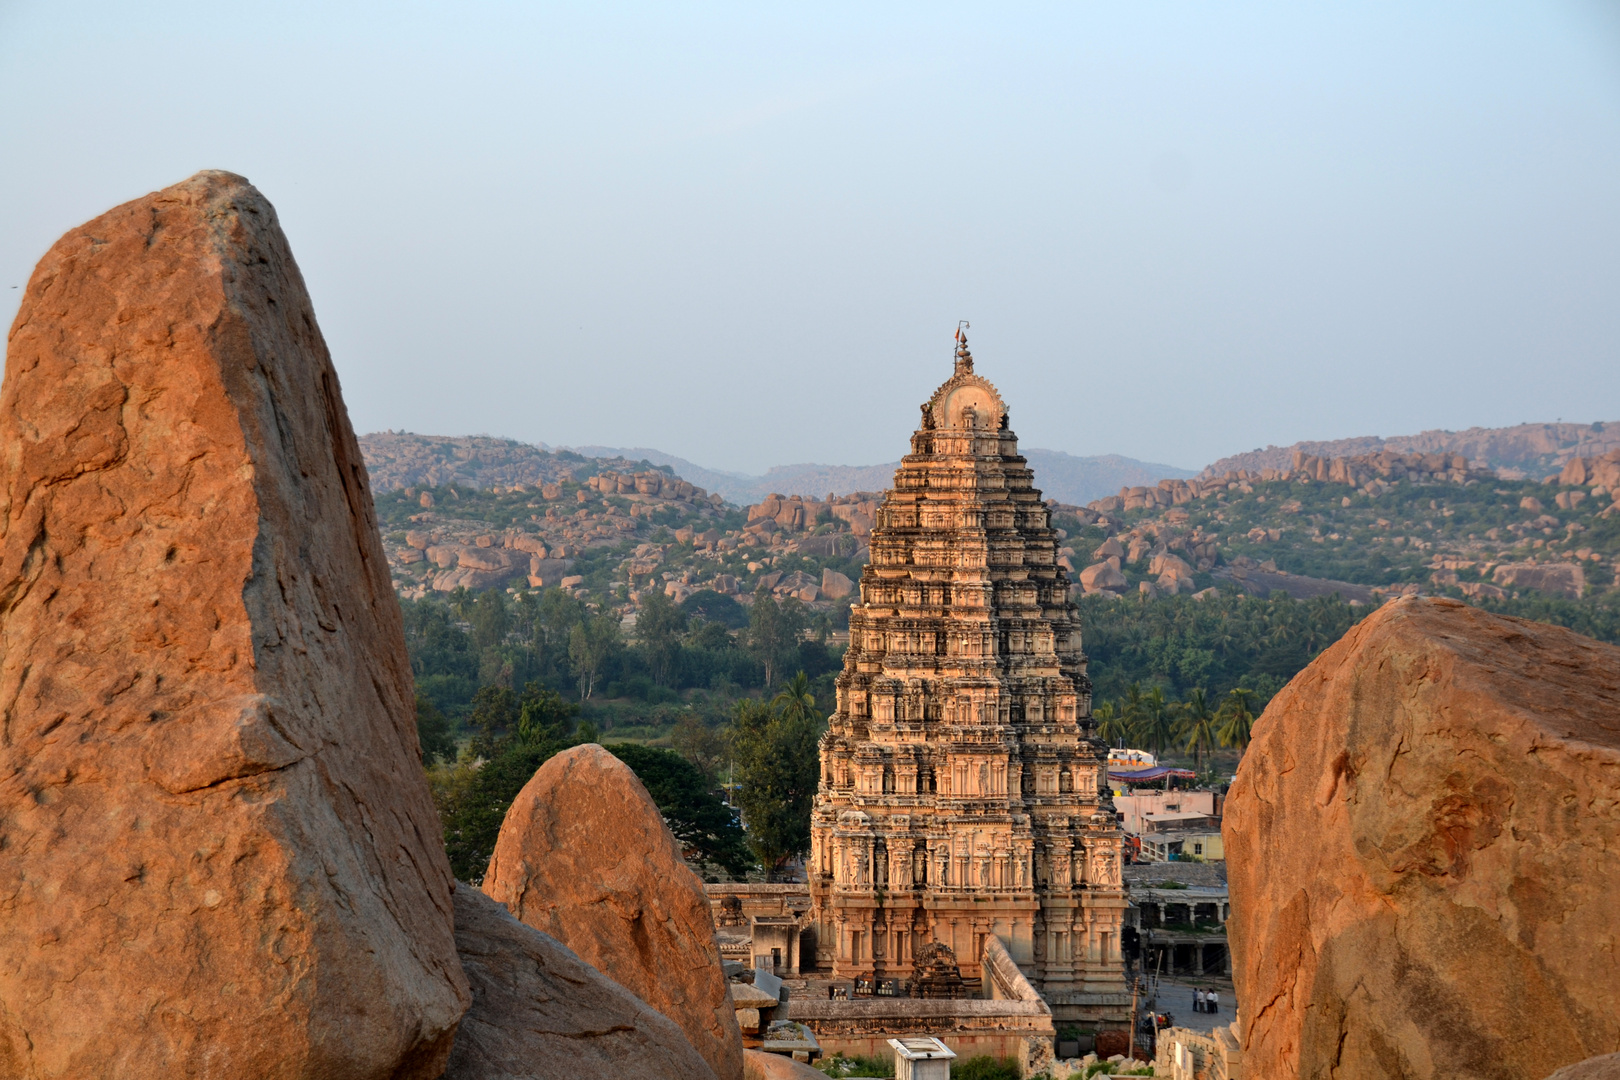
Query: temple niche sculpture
point(963, 793)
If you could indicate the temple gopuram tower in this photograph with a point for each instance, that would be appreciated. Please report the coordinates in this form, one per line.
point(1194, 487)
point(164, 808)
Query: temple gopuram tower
point(962, 791)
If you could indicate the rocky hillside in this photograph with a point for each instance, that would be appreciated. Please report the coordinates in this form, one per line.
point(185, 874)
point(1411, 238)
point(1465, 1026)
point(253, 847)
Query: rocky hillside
point(611, 536)
point(1061, 476)
point(1528, 451)
point(400, 459)
point(1366, 527)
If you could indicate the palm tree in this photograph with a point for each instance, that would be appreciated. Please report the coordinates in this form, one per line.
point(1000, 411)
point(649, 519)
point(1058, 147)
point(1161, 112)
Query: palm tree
point(794, 702)
point(1110, 724)
point(1157, 724)
point(1235, 718)
point(1135, 708)
point(1197, 727)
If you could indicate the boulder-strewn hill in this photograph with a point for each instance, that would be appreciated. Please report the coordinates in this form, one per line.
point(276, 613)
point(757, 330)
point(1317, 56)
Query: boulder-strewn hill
point(400, 460)
point(1060, 476)
point(1365, 526)
point(1529, 450)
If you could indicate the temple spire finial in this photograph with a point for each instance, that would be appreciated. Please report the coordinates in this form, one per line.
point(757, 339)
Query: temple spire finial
point(964, 359)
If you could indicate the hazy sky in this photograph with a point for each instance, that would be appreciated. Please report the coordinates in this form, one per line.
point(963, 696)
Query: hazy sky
point(744, 234)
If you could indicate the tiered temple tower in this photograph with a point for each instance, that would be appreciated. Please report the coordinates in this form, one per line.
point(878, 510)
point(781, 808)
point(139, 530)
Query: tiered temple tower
point(962, 791)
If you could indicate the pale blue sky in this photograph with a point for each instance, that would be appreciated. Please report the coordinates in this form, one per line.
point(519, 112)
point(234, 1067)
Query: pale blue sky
point(744, 234)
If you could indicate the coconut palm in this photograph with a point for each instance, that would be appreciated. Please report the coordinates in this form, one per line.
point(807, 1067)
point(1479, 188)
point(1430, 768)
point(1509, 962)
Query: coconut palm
point(1197, 726)
point(1236, 718)
point(1156, 723)
point(1110, 724)
point(794, 702)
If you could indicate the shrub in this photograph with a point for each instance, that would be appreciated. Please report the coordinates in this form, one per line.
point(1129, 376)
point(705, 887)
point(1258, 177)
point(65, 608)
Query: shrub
point(985, 1067)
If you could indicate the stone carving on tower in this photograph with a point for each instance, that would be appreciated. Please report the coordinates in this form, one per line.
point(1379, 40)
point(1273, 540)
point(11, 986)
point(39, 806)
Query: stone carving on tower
point(962, 791)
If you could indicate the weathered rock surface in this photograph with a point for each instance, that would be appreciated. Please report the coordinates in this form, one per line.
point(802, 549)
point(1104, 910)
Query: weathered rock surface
point(1606, 1067)
point(835, 586)
point(1559, 579)
point(1100, 576)
point(585, 857)
point(758, 1065)
point(539, 1011)
point(1420, 845)
point(220, 854)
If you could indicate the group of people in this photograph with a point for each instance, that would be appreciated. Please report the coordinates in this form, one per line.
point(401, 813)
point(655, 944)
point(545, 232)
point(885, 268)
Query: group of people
point(1206, 1001)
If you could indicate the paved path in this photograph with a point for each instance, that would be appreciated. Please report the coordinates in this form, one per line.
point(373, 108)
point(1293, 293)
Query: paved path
point(1176, 998)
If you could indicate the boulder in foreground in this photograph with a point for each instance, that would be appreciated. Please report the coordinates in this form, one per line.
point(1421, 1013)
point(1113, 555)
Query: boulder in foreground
point(540, 1012)
point(585, 857)
point(1421, 852)
point(220, 856)
point(758, 1065)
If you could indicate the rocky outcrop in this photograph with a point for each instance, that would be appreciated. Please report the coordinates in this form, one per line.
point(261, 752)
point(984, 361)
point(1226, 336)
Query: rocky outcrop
point(584, 856)
point(1606, 1067)
point(1530, 448)
point(1100, 576)
point(538, 1010)
point(220, 853)
point(1604, 471)
point(1558, 579)
point(835, 586)
point(794, 513)
point(1420, 849)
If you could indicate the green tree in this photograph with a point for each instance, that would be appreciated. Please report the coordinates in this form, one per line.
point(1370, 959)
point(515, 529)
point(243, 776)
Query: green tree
point(590, 644)
point(433, 733)
point(700, 821)
point(1196, 728)
point(699, 744)
point(494, 715)
point(1236, 718)
point(659, 626)
point(795, 702)
point(1111, 725)
point(489, 618)
point(773, 633)
point(473, 807)
point(544, 717)
point(778, 766)
point(1155, 724)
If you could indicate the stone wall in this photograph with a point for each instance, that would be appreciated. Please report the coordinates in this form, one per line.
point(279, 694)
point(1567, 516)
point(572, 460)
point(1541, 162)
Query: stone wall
point(1184, 1054)
point(1018, 1029)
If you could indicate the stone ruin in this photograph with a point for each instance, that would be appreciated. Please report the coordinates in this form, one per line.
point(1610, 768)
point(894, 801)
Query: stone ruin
point(936, 974)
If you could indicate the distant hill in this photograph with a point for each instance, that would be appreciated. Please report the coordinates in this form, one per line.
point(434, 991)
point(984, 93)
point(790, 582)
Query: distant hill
point(1060, 476)
point(1078, 480)
point(397, 460)
point(1528, 450)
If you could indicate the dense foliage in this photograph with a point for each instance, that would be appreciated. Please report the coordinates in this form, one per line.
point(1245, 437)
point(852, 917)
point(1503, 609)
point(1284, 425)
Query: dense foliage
point(778, 766)
point(702, 824)
point(1219, 643)
point(516, 734)
point(710, 644)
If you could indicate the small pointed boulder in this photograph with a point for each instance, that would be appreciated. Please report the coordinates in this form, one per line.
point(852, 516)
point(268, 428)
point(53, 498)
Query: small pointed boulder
point(585, 857)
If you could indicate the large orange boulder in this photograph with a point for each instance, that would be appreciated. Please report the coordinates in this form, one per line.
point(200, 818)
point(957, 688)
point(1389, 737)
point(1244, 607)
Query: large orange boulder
point(218, 853)
point(540, 1011)
point(1421, 853)
point(585, 857)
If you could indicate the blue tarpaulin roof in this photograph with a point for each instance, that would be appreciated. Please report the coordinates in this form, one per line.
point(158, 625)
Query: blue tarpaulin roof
point(1158, 772)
